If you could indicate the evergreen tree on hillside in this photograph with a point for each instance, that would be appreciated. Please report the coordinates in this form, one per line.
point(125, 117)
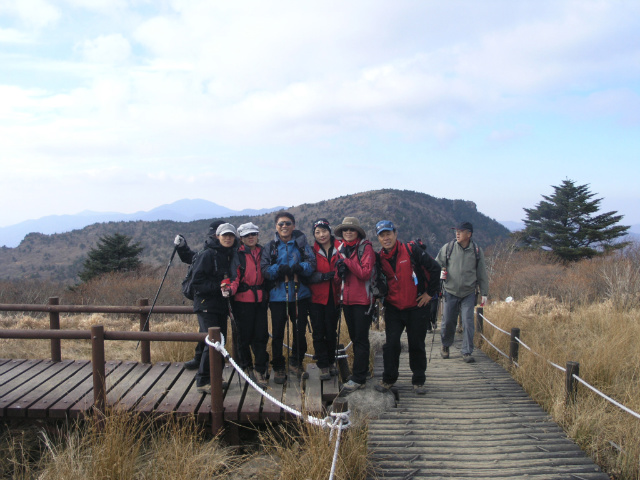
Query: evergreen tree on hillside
point(114, 253)
point(567, 223)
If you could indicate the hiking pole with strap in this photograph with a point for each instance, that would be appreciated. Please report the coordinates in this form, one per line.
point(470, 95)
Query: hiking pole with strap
point(146, 323)
point(288, 320)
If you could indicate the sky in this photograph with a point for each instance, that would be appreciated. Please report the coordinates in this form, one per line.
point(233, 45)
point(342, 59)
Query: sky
point(125, 105)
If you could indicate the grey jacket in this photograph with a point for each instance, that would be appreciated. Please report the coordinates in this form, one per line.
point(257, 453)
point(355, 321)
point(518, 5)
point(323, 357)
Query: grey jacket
point(462, 274)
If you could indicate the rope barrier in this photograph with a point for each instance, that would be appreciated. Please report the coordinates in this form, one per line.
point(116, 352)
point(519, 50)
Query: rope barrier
point(594, 389)
point(591, 387)
point(494, 325)
point(341, 421)
point(489, 342)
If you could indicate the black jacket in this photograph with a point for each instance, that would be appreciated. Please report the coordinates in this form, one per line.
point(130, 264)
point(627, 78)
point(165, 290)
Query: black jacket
point(210, 267)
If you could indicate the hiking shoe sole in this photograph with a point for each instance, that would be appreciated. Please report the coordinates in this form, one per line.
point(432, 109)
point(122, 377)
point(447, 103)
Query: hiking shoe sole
point(468, 359)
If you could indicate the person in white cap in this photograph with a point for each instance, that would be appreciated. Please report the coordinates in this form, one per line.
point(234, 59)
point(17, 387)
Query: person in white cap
point(250, 305)
point(211, 266)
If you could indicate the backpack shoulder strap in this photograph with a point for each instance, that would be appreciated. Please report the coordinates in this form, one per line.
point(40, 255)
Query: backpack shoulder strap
point(450, 246)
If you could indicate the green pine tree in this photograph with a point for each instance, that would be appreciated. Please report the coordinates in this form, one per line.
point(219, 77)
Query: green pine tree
point(114, 253)
point(568, 223)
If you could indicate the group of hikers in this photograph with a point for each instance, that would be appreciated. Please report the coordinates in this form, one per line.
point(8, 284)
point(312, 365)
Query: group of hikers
point(235, 277)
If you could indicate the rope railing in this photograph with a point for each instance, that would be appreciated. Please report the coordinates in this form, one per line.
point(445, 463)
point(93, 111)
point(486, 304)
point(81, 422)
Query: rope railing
point(339, 422)
point(573, 376)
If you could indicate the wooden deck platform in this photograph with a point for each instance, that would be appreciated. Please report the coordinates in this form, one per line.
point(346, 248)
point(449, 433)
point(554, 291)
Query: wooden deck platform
point(475, 422)
point(58, 390)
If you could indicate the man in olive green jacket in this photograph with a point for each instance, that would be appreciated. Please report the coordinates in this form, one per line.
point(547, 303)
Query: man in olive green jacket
point(463, 267)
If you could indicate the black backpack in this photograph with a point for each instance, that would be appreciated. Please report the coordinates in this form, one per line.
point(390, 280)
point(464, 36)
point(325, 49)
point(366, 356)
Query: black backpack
point(378, 282)
point(187, 283)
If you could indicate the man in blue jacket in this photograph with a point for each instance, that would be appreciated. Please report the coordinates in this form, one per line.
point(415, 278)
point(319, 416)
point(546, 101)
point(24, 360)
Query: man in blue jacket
point(287, 262)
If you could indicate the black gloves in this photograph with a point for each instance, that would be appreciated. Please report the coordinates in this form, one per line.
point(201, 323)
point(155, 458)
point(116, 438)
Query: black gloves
point(284, 271)
point(341, 267)
point(327, 276)
point(297, 269)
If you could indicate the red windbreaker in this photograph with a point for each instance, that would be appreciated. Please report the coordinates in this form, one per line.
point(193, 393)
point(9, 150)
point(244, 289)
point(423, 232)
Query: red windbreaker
point(251, 277)
point(358, 277)
point(403, 291)
point(320, 291)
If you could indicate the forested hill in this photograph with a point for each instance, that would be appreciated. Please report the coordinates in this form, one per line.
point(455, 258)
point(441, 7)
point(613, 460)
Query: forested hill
point(416, 215)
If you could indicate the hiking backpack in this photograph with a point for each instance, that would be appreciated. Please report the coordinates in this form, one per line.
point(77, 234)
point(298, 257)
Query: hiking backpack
point(187, 283)
point(449, 250)
point(422, 274)
point(378, 282)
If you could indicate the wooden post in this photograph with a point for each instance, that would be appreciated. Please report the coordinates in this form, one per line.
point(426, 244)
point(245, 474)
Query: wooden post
point(145, 345)
point(97, 362)
point(54, 324)
point(340, 405)
point(343, 364)
point(573, 368)
point(514, 346)
point(215, 369)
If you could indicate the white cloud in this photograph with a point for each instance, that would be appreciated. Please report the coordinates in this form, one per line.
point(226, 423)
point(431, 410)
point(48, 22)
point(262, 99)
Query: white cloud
point(32, 13)
point(109, 49)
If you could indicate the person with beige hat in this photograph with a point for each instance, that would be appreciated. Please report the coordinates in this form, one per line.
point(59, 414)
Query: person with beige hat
point(355, 268)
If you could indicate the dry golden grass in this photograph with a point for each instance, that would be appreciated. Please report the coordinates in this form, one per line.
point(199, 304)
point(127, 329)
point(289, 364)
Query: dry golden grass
point(304, 451)
point(126, 447)
point(603, 340)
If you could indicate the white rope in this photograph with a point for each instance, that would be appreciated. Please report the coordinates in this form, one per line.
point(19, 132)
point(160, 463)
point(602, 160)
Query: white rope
point(310, 355)
point(537, 354)
point(325, 423)
point(340, 423)
point(499, 351)
point(494, 325)
point(594, 389)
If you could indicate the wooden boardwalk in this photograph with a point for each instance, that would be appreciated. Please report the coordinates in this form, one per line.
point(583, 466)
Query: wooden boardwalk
point(42, 389)
point(475, 422)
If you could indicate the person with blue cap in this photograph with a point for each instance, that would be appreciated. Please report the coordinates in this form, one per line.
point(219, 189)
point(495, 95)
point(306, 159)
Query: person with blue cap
point(405, 306)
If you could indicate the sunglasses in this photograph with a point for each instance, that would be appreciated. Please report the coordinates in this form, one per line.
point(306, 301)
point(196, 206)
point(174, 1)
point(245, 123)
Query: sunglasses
point(285, 224)
point(250, 235)
point(349, 230)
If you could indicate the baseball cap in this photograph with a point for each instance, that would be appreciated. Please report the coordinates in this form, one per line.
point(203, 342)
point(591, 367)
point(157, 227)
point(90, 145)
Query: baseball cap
point(226, 228)
point(384, 225)
point(247, 228)
point(464, 226)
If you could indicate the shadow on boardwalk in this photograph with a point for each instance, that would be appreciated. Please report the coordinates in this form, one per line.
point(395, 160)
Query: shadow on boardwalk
point(475, 422)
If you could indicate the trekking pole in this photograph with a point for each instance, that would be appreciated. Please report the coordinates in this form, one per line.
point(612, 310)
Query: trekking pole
point(146, 323)
point(297, 321)
point(236, 338)
point(340, 316)
point(288, 319)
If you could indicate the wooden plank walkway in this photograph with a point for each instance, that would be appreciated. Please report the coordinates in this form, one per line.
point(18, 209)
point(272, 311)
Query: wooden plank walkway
point(41, 389)
point(474, 422)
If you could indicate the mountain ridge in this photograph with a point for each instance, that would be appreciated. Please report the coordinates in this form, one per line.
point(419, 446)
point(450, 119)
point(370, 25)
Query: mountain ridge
point(184, 210)
point(416, 215)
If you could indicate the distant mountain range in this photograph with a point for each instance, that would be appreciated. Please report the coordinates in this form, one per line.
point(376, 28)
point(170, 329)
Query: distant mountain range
point(185, 210)
point(60, 256)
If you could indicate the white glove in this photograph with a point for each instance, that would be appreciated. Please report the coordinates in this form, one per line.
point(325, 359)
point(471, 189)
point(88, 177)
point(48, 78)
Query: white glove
point(179, 241)
point(483, 300)
point(225, 292)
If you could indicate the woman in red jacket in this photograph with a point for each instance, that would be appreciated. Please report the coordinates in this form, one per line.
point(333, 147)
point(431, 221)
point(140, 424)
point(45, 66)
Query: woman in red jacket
point(358, 260)
point(325, 292)
point(250, 305)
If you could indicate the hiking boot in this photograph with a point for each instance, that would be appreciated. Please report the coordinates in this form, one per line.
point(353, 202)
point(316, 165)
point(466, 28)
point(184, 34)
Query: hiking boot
point(467, 358)
point(298, 371)
point(280, 377)
point(204, 388)
point(444, 352)
point(324, 374)
point(420, 389)
point(350, 387)
point(333, 370)
point(383, 387)
point(192, 364)
point(260, 379)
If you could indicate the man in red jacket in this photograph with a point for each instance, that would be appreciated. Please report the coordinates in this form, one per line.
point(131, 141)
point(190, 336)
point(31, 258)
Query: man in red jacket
point(405, 305)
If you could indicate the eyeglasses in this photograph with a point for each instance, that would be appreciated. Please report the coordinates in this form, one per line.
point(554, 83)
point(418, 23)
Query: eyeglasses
point(285, 224)
point(254, 234)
